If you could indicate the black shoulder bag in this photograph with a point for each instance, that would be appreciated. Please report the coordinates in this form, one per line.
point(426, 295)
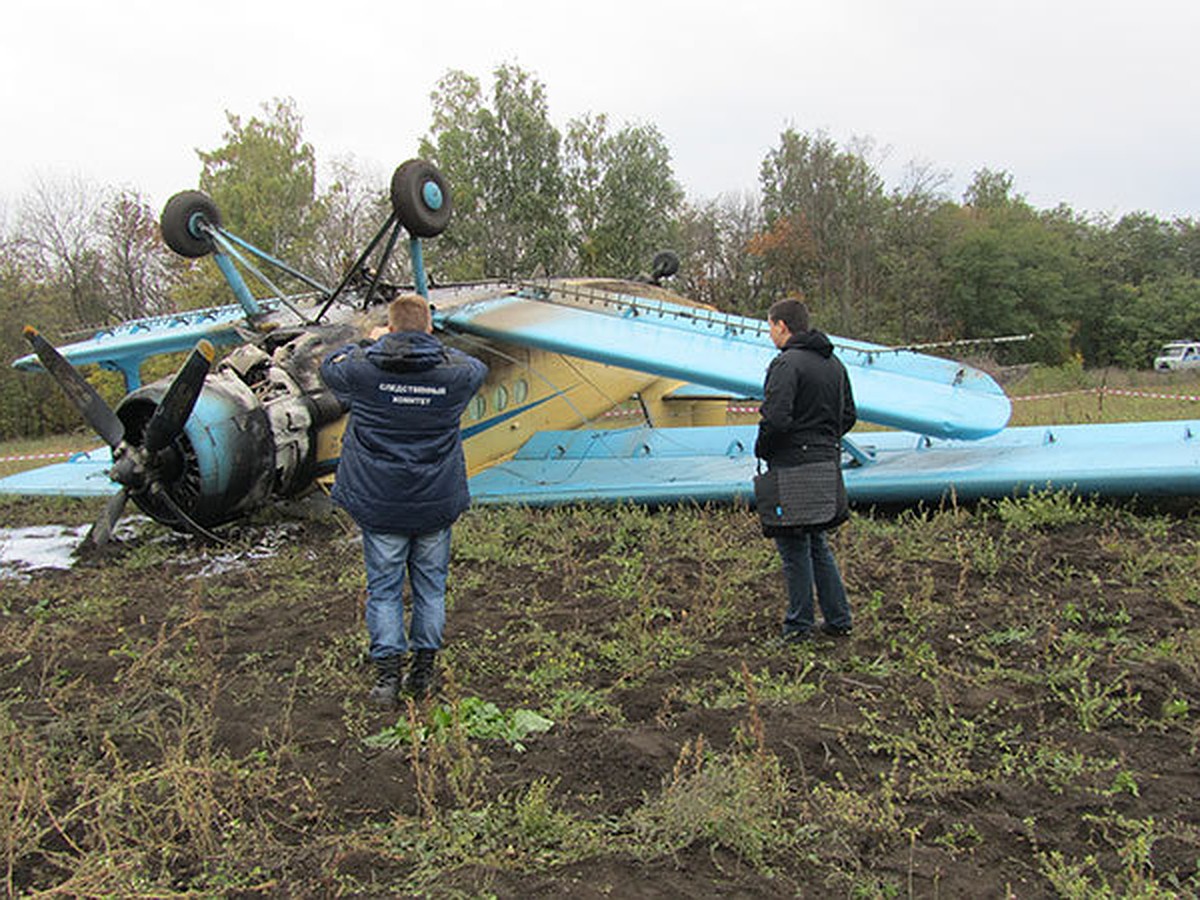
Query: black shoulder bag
point(811, 495)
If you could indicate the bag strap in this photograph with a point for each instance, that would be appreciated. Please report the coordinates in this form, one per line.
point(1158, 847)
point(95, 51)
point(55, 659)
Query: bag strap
point(841, 406)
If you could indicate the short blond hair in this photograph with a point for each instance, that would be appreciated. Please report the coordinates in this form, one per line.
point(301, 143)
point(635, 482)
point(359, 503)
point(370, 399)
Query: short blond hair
point(409, 312)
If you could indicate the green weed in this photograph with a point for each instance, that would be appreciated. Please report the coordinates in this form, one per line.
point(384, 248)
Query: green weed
point(478, 719)
point(1047, 509)
point(734, 800)
point(940, 755)
point(520, 830)
point(1094, 702)
point(783, 689)
point(1056, 766)
point(843, 809)
point(959, 838)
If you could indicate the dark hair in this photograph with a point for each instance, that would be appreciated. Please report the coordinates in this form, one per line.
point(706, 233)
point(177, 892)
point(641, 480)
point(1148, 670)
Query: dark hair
point(792, 312)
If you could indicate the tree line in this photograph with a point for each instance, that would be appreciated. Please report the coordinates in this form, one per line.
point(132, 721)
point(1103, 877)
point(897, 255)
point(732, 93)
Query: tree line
point(894, 264)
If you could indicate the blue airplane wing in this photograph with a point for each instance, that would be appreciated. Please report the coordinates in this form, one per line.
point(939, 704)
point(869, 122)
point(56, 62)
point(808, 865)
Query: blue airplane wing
point(83, 475)
point(663, 465)
point(124, 347)
point(899, 389)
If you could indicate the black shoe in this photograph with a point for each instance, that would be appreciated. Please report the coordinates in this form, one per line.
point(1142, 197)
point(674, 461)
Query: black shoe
point(420, 674)
point(387, 682)
point(797, 637)
point(835, 630)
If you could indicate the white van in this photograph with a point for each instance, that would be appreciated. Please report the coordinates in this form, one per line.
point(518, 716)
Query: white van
point(1178, 355)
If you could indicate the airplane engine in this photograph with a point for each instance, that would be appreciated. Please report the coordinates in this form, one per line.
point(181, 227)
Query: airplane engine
point(251, 435)
point(204, 447)
point(221, 465)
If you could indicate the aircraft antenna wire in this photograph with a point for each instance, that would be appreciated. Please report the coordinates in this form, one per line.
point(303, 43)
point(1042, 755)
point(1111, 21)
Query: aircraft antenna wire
point(611, 400)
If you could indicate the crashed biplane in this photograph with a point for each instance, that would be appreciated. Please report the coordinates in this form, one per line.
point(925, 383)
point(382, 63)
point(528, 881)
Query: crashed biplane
point(217, 441)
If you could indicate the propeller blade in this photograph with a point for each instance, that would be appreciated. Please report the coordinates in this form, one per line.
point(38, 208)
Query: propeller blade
point(172, 413)
point(187, 521)
point(102, 531)
point(95, 411)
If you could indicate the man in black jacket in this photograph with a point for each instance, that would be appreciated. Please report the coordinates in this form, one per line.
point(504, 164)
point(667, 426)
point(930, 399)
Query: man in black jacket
point(807, 407)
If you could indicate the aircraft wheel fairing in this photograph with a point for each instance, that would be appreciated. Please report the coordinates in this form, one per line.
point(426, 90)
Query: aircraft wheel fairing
point(181, 223)
point(421, 198)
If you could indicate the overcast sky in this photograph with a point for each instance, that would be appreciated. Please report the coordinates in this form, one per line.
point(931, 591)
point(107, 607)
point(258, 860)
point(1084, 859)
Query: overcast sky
point(1094, 104)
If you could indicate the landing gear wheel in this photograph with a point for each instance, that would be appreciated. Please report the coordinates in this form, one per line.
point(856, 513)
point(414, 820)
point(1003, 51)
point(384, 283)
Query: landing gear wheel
point(421, 198)
point(665, 264)
point(181, 220)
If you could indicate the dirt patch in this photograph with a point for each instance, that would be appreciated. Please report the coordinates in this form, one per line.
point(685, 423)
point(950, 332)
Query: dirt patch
point(1015, 714)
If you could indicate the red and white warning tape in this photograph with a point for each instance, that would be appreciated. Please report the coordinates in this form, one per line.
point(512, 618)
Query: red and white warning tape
point(35, 456)
point(1115, 391)
point(750, 410)
point(1190, 397)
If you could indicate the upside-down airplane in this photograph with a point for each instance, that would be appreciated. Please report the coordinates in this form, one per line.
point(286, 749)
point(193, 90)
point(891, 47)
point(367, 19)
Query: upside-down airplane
point(213, 443)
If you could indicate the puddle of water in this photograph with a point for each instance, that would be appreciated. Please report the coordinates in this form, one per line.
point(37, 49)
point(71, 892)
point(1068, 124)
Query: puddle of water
point(26, 550)
point(218, 562)
point(23, 550)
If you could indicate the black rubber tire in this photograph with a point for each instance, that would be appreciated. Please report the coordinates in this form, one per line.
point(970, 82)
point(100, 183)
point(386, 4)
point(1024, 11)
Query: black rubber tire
point(176, 221)
point(665, 264)
point(408, 199)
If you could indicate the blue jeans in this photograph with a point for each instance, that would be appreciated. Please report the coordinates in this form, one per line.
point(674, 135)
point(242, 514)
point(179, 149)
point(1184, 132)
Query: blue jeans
point(426, 560)
point(808, 562)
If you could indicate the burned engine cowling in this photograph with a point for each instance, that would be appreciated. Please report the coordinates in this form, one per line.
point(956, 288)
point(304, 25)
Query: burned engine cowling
point(251, 435)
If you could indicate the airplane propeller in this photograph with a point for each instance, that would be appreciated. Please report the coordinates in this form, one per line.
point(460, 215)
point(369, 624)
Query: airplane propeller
point(95, 411)
point(138, 468)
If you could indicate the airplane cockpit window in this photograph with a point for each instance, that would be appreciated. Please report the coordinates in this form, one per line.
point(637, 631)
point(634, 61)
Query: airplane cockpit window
point(500, 398)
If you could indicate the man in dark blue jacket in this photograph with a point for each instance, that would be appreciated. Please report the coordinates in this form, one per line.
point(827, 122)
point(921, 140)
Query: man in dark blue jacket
point(403, 478)
point(807, 407)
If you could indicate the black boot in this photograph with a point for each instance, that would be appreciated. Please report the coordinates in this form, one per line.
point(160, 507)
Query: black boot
point(387, 682)
point(420, 674)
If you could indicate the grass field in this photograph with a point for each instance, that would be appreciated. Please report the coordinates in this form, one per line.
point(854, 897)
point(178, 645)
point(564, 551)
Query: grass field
point(19, 455)
point(1017, 713)
point(1072, 396)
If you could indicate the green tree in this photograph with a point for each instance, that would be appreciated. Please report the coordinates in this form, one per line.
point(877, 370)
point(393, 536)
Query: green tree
point(1158, 311)
point(1189, 245)
point(1143, 247)
point(912, 285)
point(30, 404)
point(990, 189)
point(502, 161)
point(622, 195)
point(1009, 272)
point(716, 265)
point(263, 179)
point(835, 198)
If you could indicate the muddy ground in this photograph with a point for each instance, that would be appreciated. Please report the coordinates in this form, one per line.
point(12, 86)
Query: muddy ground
point(1016, 713)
